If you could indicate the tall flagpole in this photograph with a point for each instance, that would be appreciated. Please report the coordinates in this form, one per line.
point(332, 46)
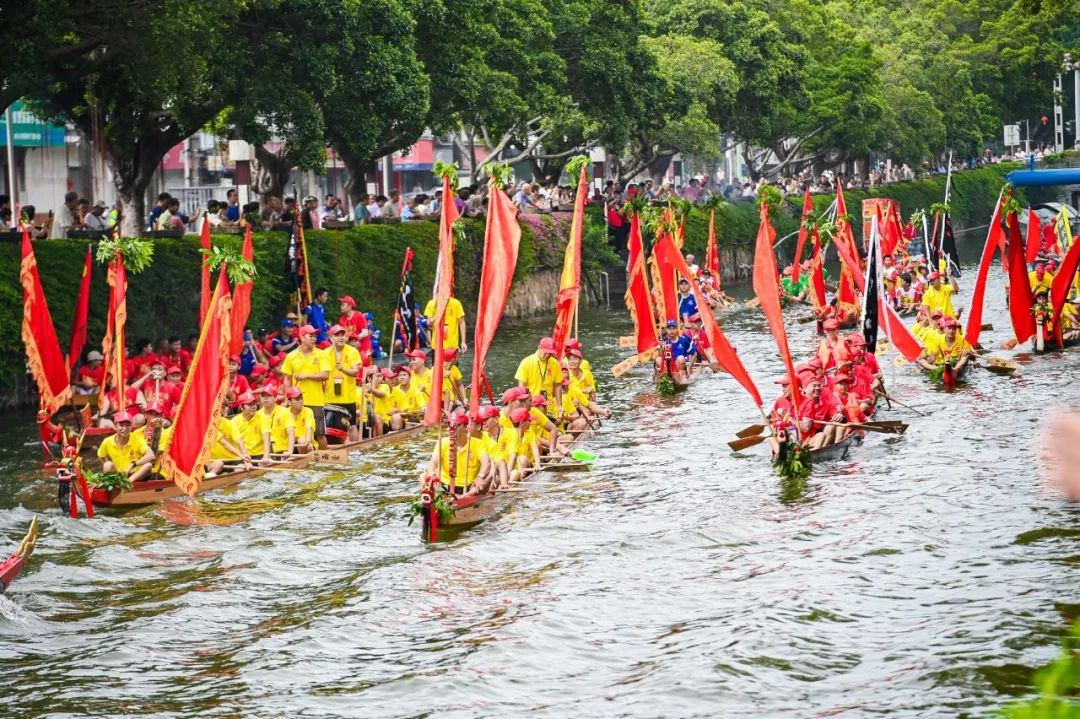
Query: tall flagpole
point(11, 164)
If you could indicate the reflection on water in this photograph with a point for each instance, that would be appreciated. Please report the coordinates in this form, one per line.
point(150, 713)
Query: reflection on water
point(923, 576)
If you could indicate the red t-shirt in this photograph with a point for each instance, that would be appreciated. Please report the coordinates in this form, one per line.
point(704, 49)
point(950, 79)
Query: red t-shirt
point(824, 408)
point(358, 323)
point(97, 376)
point(141, 364)
point(131, 395)
point(239, 386)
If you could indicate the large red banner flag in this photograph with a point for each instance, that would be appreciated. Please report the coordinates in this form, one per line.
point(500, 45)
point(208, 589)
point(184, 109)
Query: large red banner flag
point(118, 320)
point(994, 239)
point(721, 347)
point(1034, 236)
point(845, 236)
point(566, 302)
point(241, 300)
point(712, 252)
point(817, 274)
point(638, 299)
point(766, 289)
point(196, 420)
point(204, 295)
point(444, 285)
point(82, 313)
point(501, 241)
point(43, 355)
point(807, 208)
point(665, 278)
point(1020, 299)
point(1063, 282)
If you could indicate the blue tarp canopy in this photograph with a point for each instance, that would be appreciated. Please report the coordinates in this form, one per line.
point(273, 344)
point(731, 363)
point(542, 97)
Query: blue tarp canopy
point(1043, 178)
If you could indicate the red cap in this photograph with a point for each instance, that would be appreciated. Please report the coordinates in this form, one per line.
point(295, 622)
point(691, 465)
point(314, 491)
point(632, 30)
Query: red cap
point(348, 300)
point(857, 340)
point(155, 407)
point(696, 317)
point(814, 362)
point(935, 275)
point(785, 380)
point(830, 324)
point(573, 344)
point(402, 368)
point(935, 314)
point(157, 362)
point(120, 417)
point(293, 393)
point(539, 400)
point(458, 418)
point(488, 411)
point(386, 372)
point(952, 322)
point(547, 344)
point(842, 377)
point(234, 358)
point(335, 329)
point(416, 354)
point(511, 395)
point(259, 370)
point(449, 355)
point(174, 369)
point(246, 398)
point(574, 352)
point(308, 330)
point(519, 415)
point(277, 359)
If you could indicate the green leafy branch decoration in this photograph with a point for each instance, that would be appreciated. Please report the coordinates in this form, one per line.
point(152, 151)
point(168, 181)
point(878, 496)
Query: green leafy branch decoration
point(573, 167)
point(237, 269)
point(500, 173)
point(137, 253)
point(447, 169)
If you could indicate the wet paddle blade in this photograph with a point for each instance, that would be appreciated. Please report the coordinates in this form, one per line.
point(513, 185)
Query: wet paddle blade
point(741, 444)
point(627, 342)
point(625, 366)
point(986, 327)
point(751, 304)
point(750, 431)
point(582, 456)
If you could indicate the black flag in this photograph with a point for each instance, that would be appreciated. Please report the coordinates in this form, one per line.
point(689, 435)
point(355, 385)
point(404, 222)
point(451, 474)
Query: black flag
point(870, 299)
point(948, 247)
point(406, 307)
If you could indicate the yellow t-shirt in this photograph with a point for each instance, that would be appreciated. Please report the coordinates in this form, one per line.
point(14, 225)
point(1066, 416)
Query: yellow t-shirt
point(539, 377)
point(1045, 283)
point(1069, 316)
point(350, 359)
point(525, 442)
point(454, 312)
point(421, 382)
point(227, 431)
point(277, 422)
point(574, 392)
point(249, 432)
point(470, 453)
point(404, 401)
point(939, 299)
point(123, 457)
point(315, 362)
point(507, 444)
point(539, 423)
point(303, 423)
point(383, 405)
point(586, 382)
point(163, 443)
point(452, 375)
point(942, 352)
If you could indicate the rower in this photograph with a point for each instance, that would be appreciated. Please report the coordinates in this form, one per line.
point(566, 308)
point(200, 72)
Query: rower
point(831, 349)
point(540, 373)
point(685, 299)
point(238, 383)
point(949, 348)
point(345, 367)
point(453, 389)
point(1070, 321)
point(577, 410)
point(851, 404)
point(276, 421)
point(258, 376)
point(91, 375)
point(865, 365)
point(421, 373)
point(817, 408)
point(404, 400)
point(1040, 279)
point(302, 438)
point(499, 457)
point(582, 381)
point(125, 452)
point(308, 368)
point(528, 448)
point(469, 460)
point(1043, 313)
point(248, 426)
point(674, 349)
point(575, 344)
point(938, 296)
point(381, 400)
point(782, 416)
point(228, 447)
point(157, 433)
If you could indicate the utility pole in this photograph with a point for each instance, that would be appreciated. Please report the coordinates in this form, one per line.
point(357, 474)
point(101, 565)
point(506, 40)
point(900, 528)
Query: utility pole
point(12, 191)
point(1059, 129)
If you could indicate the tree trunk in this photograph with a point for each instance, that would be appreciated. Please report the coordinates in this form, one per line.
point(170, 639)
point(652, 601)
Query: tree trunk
point(133, 168)
point(269, 173)
point(356, 187)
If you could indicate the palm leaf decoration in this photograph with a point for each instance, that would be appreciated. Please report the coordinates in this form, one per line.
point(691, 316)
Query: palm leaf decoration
point(138, 254)
point(237, 269)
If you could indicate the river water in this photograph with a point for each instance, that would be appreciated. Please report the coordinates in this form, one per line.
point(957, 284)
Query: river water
point(924, 576)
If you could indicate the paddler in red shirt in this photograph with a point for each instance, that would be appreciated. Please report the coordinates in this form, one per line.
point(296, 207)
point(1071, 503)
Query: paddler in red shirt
point(177, 355)
point(174, 383)
point(238, 384)
point(782, 416)
point(817, 408)
point(145, 358)
point(91, 375)
point(866, 367)
point(355, 322)
point(831, 349)
point(851, 404)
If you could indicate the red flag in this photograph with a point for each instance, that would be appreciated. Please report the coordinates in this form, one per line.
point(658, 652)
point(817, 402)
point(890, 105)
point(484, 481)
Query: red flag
point(845, 238)
point(712, 253)
point(501, 241)
point(43, 355)
point(766, 290)
point(241, 301)
point(1063, 281)
point(897, 332)
point(817, 275)
point(82, 313)
point(725, 353)
point(665, 278)
point(570, 282)
point(807, 208)
point(1020, 299)
point(117, 320)
point(444, 284)
point(196, 419)
point(891, 236)
point(1034, 236)
point(994, 238)
point(204, 297)
point(638, 299)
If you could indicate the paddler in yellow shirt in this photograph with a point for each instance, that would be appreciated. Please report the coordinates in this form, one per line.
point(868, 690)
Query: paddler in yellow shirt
point(308, 368)
point(157, 432)
point(421, 373)
point(470, 459)
point(546, 431)
point(227, 447)
point(404, 400)
point(581, 378)
point(301, 422)
point(950, 347)
point(275, 419)
point(382, 402)
point(453, 389)
point(1070, 321)
point(528, 448)
point(540, 372)
point(1040, 279)
point(248, 427)
point(938, 296)
point(345, 366)
point(454, 323)
point(501, 453)
point(124, 451)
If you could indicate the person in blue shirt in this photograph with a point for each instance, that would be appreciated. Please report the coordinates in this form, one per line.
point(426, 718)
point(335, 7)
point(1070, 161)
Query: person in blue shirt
point(232, 212)
point(675, 347)
point(286, 341)
point(687, 301)
point(376, 349)
point(316, 313)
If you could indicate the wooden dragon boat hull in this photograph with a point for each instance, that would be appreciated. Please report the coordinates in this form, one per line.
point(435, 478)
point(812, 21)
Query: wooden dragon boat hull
point(339, 453)
point(12, 567)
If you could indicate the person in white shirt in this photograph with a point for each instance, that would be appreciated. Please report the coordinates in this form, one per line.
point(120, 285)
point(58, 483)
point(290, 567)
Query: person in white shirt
point(375, 205)
point(95, 219)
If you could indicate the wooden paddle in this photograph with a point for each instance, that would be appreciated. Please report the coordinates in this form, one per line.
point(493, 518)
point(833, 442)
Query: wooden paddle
point(627, 342)
point(756, 429)
point(893, 429)
point(751, 430)
point(751, 304)
point(806, 319)
point(986, 328)
point(997, 364)
point(741, 444)
point(889, 398)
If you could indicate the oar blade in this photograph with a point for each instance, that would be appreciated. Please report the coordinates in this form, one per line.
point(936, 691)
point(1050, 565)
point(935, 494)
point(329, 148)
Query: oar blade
point(752, 430)
point(741, 444)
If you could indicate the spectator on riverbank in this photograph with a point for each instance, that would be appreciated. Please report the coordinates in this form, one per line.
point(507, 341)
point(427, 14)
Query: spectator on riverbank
point(95, 218)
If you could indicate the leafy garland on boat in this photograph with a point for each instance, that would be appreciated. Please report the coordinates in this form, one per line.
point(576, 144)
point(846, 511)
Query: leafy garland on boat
point(444, 505)
point(795, 463)
point(666, 386)
point(107, 480)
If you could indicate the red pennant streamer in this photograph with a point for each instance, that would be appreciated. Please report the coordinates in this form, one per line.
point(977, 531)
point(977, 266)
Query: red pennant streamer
point(241, 305)
point(443, 289)
point(994, 238)
point(82, 313)
point(807, 208)
point(1020, 299)
point(43, 355)
point(766, 290)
